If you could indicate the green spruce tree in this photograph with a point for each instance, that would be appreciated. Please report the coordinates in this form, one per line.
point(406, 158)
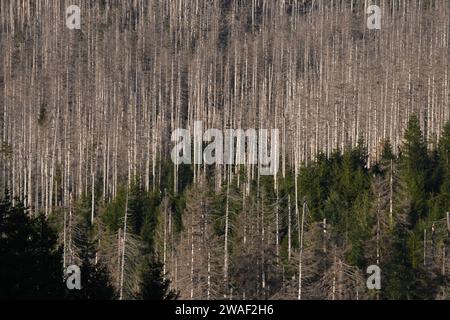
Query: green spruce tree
point(31, 266)
point(154, 286)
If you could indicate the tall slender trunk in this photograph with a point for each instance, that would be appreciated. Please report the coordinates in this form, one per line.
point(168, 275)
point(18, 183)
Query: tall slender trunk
point(289, 228)
point(300, 259)
point(123, 248)
point(225, 258)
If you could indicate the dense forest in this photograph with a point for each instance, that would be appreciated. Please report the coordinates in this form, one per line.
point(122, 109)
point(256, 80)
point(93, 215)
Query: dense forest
point(86, 176)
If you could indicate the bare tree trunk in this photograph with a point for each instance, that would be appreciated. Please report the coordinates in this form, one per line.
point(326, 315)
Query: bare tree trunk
point(123, 248)
point(300, 259)
point(289, 228)
point(225, 258)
